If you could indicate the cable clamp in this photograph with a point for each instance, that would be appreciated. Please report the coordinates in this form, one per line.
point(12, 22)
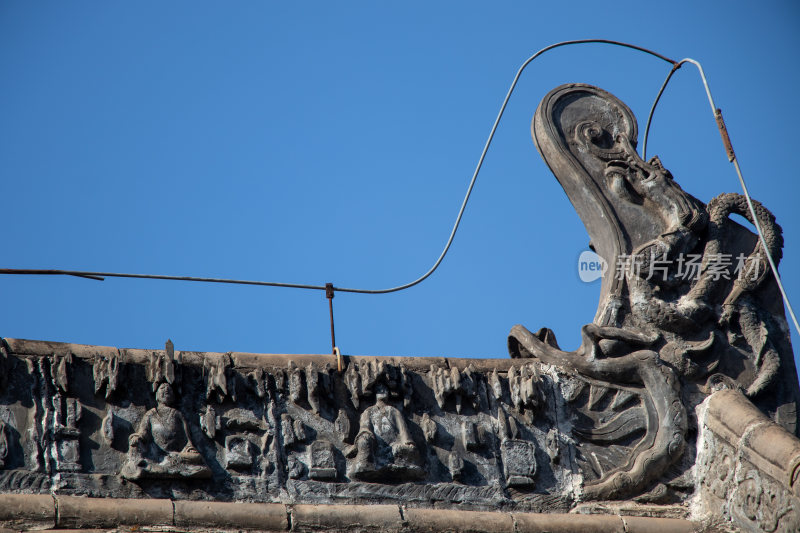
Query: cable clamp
point(726, 140)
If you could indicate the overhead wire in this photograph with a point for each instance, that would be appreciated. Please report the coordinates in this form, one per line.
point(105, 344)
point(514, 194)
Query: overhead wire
point(330, 288)
point(100, 275)
point(731, 158)
point(486, 149)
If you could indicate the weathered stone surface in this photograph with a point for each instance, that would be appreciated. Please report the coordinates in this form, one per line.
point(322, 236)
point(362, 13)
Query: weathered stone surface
point(663, 337)
point(747, 467)
point(572, 523)
point(163, 432)
point(637, 524)
point(435, 520)
point(25, 510)
point(345, 518)
point(76, 512)
point(211, 515)
point(122, 515)
point(545, 431)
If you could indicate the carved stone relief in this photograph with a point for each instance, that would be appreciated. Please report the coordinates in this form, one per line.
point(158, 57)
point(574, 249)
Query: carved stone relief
point(746, 468)
point(384, 448)
point(661, 339)
point(759, 503)
point(543, 431)
point(162, 447)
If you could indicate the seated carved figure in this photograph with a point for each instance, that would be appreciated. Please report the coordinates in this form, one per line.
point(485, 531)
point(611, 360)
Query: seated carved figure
point(162, 447)
point(384, 449)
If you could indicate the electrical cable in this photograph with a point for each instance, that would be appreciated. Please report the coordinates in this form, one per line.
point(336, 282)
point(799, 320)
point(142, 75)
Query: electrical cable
point(731, 158)
point(329, 288)
point(486, 149)
point(653, 108)
point(100, 275)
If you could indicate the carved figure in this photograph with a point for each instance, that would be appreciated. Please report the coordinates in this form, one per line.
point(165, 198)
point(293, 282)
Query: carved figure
point(241, 439)
point(659, 325)
point(464, 387)
point(342, 426)
point(524, 387)
point(429, 428)
point(406, 386)
point(61, 369)
point(61, 439)
point(210, 421)
point(609, 420)
point(384, 448)
point(313, 387)
point(470, 436)
point(296, 384)
point(287, 430)
point(258, 381)
point(107, 426)
point(455, 464)
point(162, 447)
point(352, 379)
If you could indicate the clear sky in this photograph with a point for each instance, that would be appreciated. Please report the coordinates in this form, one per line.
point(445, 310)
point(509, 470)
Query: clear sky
point(315, 142)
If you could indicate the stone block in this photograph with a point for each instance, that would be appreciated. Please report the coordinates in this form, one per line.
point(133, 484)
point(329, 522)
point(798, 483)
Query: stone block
point(345, 518)
point(78, 512)
point(258, 516)
point(21, 510)
point(640, 524)
point(567, 523)
point(435, 520)
point(775, 451)
point(729, 415)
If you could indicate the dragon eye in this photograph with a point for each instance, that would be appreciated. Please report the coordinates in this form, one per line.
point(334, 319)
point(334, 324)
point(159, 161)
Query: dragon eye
point(593, 133)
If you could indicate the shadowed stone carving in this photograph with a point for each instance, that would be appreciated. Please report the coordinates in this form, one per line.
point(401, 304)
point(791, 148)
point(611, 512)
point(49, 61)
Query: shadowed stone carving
point(548, 430)
point(747, 467)
point(519, 461)
point(661, 340)
point(384, 448)
point(161, 447)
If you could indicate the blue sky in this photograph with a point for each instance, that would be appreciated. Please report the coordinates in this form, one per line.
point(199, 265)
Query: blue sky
point(314, 142)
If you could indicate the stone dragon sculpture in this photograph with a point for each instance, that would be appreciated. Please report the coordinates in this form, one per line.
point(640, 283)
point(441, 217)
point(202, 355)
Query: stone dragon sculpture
point(668, 337)
point(548, 431)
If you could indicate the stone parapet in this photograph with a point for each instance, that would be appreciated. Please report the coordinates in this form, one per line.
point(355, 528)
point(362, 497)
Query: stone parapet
point(64, 513)
point(78, 420)
point(747, 467)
